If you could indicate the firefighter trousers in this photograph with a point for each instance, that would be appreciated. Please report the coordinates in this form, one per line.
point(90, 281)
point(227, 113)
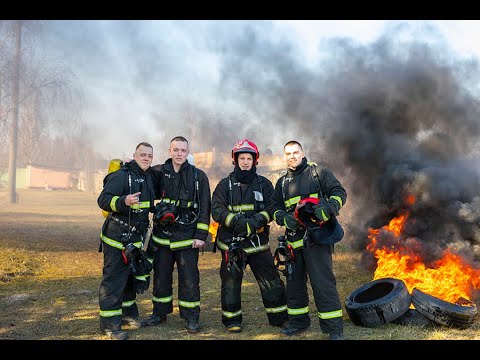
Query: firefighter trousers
point(188, 282)
point(316, 262)
point(116, 294)
point(271, 287)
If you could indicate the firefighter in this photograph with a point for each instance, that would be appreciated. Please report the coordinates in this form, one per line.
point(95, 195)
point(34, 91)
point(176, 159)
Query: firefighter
point(180, 230)
point(128, 197)
point(313, 254)
point(239, 205)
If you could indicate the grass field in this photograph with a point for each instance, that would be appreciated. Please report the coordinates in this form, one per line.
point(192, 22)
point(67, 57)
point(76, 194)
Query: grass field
point(50, 270)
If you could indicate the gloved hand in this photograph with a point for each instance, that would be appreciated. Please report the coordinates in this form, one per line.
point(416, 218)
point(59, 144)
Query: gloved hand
point(140, 284)
point(290, 222)
point(237, 219)
point(240, 228)
point(326, 209)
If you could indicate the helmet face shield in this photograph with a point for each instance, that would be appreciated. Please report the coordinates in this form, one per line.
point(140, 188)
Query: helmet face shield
point(236, 259)
point(245, 146)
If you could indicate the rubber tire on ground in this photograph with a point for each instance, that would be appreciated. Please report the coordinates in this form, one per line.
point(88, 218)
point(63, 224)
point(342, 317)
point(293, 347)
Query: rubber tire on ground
point(378, 302)
point(413, 318)
point(443, 312)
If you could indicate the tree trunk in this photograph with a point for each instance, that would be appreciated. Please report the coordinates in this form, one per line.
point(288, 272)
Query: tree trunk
point(12, 158)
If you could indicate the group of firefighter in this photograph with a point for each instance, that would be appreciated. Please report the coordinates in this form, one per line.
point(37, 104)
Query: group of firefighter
point(140, 248)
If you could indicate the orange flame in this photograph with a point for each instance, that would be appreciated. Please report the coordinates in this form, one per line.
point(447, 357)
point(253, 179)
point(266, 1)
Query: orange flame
point(212, 229)
point(450, 279)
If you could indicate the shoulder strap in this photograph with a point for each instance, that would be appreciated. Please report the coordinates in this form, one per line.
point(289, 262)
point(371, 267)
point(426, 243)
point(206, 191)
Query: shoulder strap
point(315, 175)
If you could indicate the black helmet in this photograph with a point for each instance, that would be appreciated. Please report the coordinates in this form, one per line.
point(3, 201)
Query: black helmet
point(236, 259)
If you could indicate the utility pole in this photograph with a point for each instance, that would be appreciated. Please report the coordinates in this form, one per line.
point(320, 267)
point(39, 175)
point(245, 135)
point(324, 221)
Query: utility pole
point(12, 157)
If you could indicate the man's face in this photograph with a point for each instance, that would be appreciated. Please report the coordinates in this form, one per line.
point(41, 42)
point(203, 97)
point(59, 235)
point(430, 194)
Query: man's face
point(178, 152)
point(245, 161)
point(143, 156)
point(293, 155)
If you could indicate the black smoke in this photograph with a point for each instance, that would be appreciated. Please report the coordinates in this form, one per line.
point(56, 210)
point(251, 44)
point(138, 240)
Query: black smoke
point(394, 118)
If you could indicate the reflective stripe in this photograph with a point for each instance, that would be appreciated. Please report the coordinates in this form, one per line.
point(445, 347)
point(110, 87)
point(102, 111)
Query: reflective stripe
point(188, 304)
point(161, 241)
point(277, 309)
point(296, 244)
point(128, 303)
point(265, 215)
point(170, 201)
point(300, 311)
point(229, 219)
point(275, 215)
point(238, 208)
point(229, 314)
point(110, 313)
point(113, 203)
point(330, 314)
point(141, 278)
point(292, 201)
point(337, 198)
point(296, 199)
point(142, 205)
point(163, 300)
point(179, 244)
point(118, 244)
point(202, 226)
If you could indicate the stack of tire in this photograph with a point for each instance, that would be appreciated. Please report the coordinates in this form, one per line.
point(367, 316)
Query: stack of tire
point(388, 300)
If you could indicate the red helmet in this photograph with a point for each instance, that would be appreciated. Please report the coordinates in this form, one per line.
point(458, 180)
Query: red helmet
point(245, 146)
point(304, 212)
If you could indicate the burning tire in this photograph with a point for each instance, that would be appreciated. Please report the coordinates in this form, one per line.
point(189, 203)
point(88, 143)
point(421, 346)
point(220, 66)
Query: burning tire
point(413, 318)
point(378, 302)
point(460, 316)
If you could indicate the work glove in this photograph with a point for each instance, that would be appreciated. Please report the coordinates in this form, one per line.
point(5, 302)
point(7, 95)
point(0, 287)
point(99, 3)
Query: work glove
point(237, 220)
point(241, 228)
point(326, 209)
point(141, 283)
point(290, 222)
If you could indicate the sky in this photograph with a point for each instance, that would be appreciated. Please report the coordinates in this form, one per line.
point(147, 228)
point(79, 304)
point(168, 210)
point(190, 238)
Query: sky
point(214, 81)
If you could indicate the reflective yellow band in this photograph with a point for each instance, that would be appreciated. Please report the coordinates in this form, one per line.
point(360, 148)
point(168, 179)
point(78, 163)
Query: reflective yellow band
point(330, 314)
point(300, 311)
point(265, 215)
point(128, 303)
point(142, 205)
point(177, 202)
point(118, 244)
point(229, 219)
point(163, 300)
point(161, 241)
point(292, 201)
point(202, 226)
point(243, 207)
point(188, 304)
point(229, 314)
point(113, 203)
point(277, 309)
point(179, 244)
point(296, 244)
point(110, 313)
point(338, 199)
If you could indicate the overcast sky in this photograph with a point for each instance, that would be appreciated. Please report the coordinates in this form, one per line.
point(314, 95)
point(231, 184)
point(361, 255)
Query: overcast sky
point(232, 79)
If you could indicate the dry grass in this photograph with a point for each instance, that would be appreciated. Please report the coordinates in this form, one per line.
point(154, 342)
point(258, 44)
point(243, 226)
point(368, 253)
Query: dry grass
point(50, 270)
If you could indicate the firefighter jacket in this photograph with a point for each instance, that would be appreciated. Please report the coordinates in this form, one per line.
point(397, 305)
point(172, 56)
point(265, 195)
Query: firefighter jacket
point(189, 192)
point(125, 223)
point(307, 180)
point(231, 197)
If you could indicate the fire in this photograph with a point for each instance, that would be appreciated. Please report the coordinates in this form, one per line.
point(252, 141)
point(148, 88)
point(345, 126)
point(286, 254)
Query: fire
point(212, 229)
point(450, 279)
